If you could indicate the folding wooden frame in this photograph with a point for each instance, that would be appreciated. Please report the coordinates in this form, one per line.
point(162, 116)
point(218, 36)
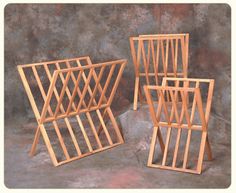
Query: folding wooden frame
point(167, 118)
point(71, 94)
point(158, 56)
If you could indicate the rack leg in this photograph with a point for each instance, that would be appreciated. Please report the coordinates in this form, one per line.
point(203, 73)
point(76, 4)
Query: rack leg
point(208, 149)
point(35, 142)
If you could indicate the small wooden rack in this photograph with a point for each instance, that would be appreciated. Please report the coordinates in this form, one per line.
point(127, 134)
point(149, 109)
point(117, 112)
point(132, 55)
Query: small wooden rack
point(188, 112)
point(71, 96)
point(157, 56)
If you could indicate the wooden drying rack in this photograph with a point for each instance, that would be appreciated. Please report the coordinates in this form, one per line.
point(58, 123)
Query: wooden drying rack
point(173, 120)
point(152, 60)
point(82, 100)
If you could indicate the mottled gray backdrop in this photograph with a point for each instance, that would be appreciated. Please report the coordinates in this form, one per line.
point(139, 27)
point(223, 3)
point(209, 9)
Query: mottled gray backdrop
point(39, 32)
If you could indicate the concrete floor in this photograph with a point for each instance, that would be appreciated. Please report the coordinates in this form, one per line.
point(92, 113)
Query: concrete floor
point(121, 167)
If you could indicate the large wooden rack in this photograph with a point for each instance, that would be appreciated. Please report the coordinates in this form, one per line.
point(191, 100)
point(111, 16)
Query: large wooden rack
point(187, 112)
point(66, 96)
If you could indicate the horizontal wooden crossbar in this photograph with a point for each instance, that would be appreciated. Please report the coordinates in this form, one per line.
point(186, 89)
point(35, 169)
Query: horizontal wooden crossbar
point(166, 117)
point(73, 91)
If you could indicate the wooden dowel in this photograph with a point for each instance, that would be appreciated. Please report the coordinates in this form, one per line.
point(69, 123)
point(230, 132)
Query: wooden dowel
point(184, 104)
point(166, 56)
point(85, 90)
point(200, 109)
point(62, 93)
point(106, 84)
point(67, 89)
point(145, 62)
point(152, 146)
point(96, 87)
point(84, 133)
point(94, 130)
point(49, 95)
point(74, 92)
point(151, 106)
point(154, 62)
point(176, 58)
point(112, 94)
point(54, 90)
point(166, 146)
point(73, 136)
point(105, 128)
point(114, 123)
point(176, 147)
point(201, 151)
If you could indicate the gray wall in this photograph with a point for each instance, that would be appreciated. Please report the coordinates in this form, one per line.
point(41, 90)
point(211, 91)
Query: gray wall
point(35, 32)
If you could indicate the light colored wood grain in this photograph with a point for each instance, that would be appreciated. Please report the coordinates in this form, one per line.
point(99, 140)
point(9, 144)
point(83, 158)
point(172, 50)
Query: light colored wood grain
point(60, 112)
point(142, 55)
point(170, 123)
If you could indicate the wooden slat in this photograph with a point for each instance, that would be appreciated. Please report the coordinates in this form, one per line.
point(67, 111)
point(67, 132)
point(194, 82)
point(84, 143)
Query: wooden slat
point(166, 146)
point(163, 57)
point(183, 55)
point(186, 55)
point(114, 123)
point(201, 151)
point(209, 100)
point(75, 90)
point(136, 89)
point(184, 104)
point(96, 87)
point(94, 130)
point(190, 131)
point(176, 58)
point(115, 86)
point(176, 147)
point(152, 146)
point(35, 142)
point(73, 136)
point(106, 85)
point(67, 89)
point(165, 107)
point(166, 56)
point(161, 74)
point(134, 56)
point(174, 105)
point(105, 128)
point(172, 53)
point(49, 95)
point(62, 93)
point(148, 55)
point(88, 153)
point(145, 62)
point(48, 144)
point(54, 90)
point(85, 89)
point(175, 169)
point(157, 57)
point(84, 133)
point(151, 105)
point(184, 101)
point(154, 62)
point(200, 109)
